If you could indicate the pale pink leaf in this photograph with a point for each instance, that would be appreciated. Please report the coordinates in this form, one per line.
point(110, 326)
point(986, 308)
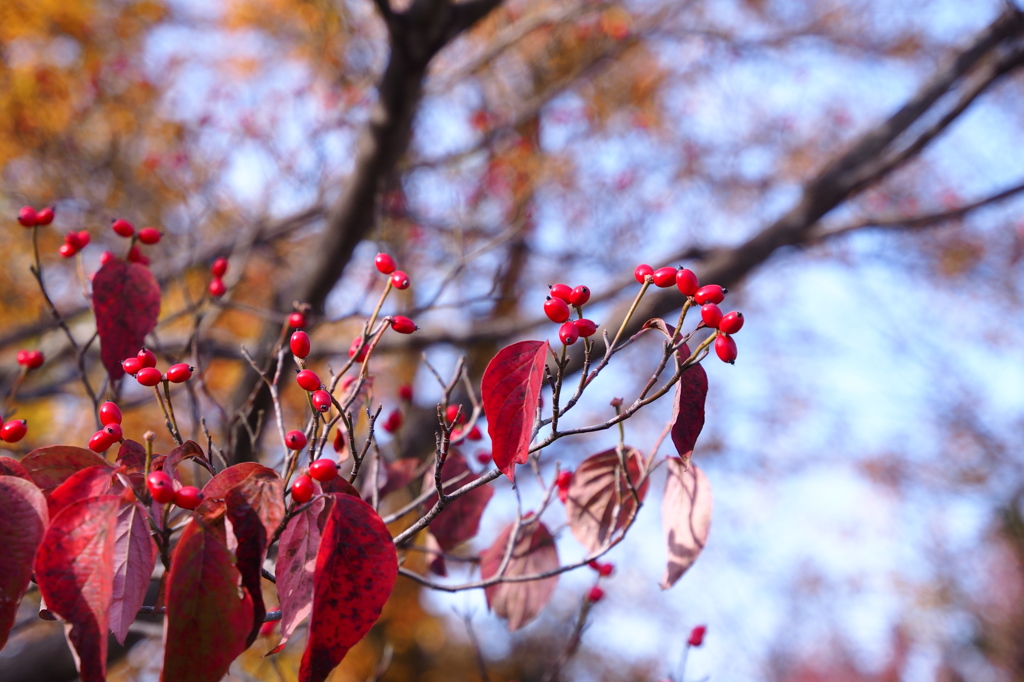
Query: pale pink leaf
point(685, 516)
point(600, 503)
point(534, 553)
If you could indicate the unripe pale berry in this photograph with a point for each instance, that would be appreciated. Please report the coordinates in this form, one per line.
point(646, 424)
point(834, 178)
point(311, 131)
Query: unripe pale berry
point(299, 344)
point(710, 293)
point(188, 497)
point(568, 333)
point(101, 441)
point(403, 325)
point(131, 366)
point(296, 320)
point(579, 296)
point(323, 470)
point(45, 216)
point(711, 314)
point(27, 216)
point(321, 400)
point(725, 348)
point(147, 358)
point(219, 267)
point(642, 272)
point(385, 264)
point(562, 291)
point(732, 322)
point(150, 235)
point(556, 309)
point(110, 413)
point(217, 287)
point(302, 489)
point(160, 487)
point(308, 380)
point(179, 373)
point(148, 376)
point(123, 228)
point(399, 280)
point(13, 431)
point(295, 440)
point(664, 277)
point(586, 327)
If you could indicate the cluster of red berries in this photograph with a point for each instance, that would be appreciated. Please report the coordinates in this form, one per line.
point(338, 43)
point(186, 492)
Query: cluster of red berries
point(147, 235)
point(320, 398)
point(556, 307)
point(29, 217)
point(322, 470)
point(603, 570)
point(161, 487)
point(13, 431)
point(707, 296)
point(110, 418)
point(31, 359)
point(143, 368)
point(73, 243)
point(217, 287)
point(386, 265)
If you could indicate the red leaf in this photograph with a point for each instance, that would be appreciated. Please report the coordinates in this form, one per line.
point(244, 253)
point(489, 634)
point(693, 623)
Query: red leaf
point(399, 474)
point(126, 299)
point(208, 615)
point(600, 504)
point(511, 388)
point(91, 482)
point(685, 516)
point(356, 571)
point(132, 456)
point(12, 467)
point(296, 562)
point(51, 466)
point(23, 520)
point(460, 520)
point(688, 406)
point(534, 553)
point(266, 494)
point(251, 538)
point(74, 571)
point(187, 450)
point(134, 557)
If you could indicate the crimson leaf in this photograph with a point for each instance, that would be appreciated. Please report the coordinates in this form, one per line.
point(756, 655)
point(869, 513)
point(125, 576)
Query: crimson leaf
point(460, 520)
point(134, 557)
point(685, 516)
point(51, 466)
point(534, 552)
point(12, 467)
point(90, 482)
point(265, 492)
point(688, 406)
point(23, 520)
point(126, 299)
point(511, 388)
point(187, 450)
point(251, 549)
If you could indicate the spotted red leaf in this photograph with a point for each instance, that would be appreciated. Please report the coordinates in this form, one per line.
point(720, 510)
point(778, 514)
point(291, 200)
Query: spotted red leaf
point(600, 503)
point(12, 467)
point(511, 388)
point(534, 553)
point(74, 569)
point(23, 520)
point(688, 406)
point(356, 570)
point(265, 491)
point(187, 450)
point(126, 300)
point(209, 615)
point(685, 516)
point(90, 482)
point(134, 557)
point(51, 466)
point(460, 520)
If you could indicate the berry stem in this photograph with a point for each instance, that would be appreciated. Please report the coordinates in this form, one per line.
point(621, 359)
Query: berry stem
point(14, 389)
point(376, 311)
point(625, 320)
point(170, 408)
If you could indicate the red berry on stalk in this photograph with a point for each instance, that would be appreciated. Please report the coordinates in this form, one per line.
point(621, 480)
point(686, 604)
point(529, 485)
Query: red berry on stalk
point(323, 470)
point(340, 442)
point(188, 497)
point(136, 256)
point(83, 239)
point(586, 327)
point(217, 287)
point(403, 325)
point(27, 216)
point(123, 227)
point(147, 358)
point(697, 635)
point(299, 344)
point(579, 296)
point(710, 293)
point(385, 263)
point(595, 595)
point(399, 280)
point(295, 440)
point(474, 433)
point(297, 320)
point(45, 216)
point(354, 348)
point(148, 376)
point(568, 333)
point(67, 250)
point(452, 412)
point(114, 430)
point(564, 480)
point(561, 291)
point(605, 570)
point(711, 314)
point(687, 282)
point(219, 267)
point(302, 489)
point(321, 400)
point(732, 322)
point(308, 380)
point(150, 235)
point(110, 413)
point(725, 347)
point(642, 272)
point(160, 487)
point(31, 359)
point(483, 457)
point(664, 277)
point(179, 373)
point(393, 422)
point(131, 366)
point(106, 257)
point(556, 309)
point(101, 441)
point(405, 392)
point(13, 431)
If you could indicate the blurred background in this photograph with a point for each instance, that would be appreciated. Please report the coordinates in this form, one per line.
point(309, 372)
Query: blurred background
point(851, 169)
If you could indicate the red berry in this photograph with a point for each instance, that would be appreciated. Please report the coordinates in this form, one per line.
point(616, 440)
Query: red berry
point(188, 497)
point(385, 263)
point(579, 296)
point(642, 272)
point(136, 256)
point(27, 216)
point(179, 373)
point(664, 277)
point(110, 413)
point(568, 333)
point(564, 479)
point(295, 440)
point(219, 267)
point(452, 412)
point(101, 441)
point(123, 228)
point(106, 257)
point(399, 280)
point(595, 595)
point(393, 422)
point(732, 322)
point(308, 379)
point(321, 400)
point(697, 635)
point(354, 348)
point(82, 239)
point(31, 359)
point(340, 440)
point(725, 347)
point(711, 314)
point(474, 433)
point(605, 570)
point(67, 250)
point(12, 432)
point(150, 235)
point(299, 344)
point(148, 376)
point(405, 392)
point(267, 629)
point(160, 487)
point(710, 293)
point(302, 489)
point(296, 320)
point(556, 309)
point(147, 358)
point(114, 430)
point(687, 282)
point(323, 470)
point(217, 287)
point(483, 457)
point(45, 216)
point(131, 366)
point(561, 291)
point(403, 325)
point(586, 327)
